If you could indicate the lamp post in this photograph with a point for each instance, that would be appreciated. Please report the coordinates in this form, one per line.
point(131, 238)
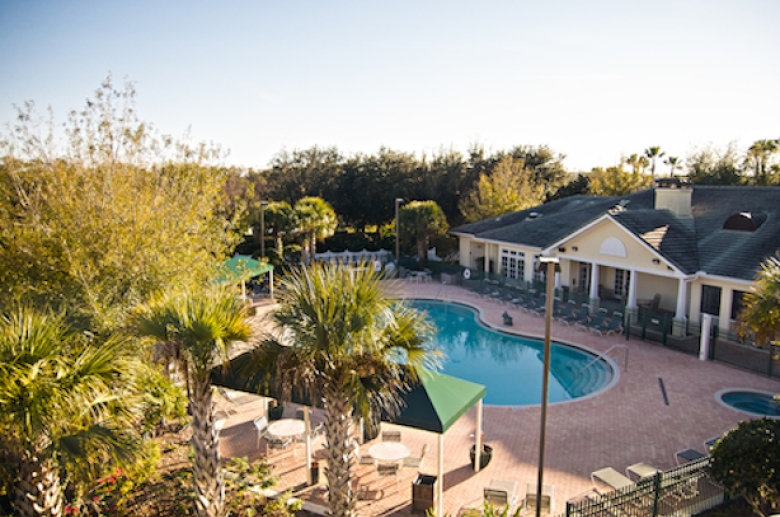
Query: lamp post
point(398, 202)
point(263, 204)
point(551, 263)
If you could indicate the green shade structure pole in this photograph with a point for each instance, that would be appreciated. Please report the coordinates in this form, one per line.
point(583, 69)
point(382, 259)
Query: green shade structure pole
point(551, 262)
point(263, 204)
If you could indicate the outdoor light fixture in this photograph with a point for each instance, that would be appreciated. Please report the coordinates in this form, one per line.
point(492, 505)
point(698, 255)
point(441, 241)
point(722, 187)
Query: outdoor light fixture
point(553, 265)
point(656, 261)
point(398, 202)
point(574, 248)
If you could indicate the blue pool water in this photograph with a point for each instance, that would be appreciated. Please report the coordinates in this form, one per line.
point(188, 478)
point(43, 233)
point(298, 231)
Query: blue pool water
point(510, 366)
point(754, 402)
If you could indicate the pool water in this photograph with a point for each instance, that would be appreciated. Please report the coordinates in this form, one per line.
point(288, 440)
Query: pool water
point(510, 366)
point(755, 402)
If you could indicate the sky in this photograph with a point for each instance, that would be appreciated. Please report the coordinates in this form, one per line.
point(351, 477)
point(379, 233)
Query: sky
point(592, 80)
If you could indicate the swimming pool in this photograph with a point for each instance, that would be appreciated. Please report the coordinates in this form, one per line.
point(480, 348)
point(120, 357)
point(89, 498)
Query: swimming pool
point(754, 402)
point(510, 366)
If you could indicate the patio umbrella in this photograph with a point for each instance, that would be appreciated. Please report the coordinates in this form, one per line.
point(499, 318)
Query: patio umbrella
point(240, 268)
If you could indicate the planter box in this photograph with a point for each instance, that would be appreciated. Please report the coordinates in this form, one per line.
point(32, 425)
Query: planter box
point(423, 493)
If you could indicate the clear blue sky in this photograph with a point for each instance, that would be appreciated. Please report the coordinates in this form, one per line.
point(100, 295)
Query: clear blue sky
point(592, 79)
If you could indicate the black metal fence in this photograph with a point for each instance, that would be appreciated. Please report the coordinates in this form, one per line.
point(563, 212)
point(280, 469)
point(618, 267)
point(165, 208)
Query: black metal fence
point(682, 491)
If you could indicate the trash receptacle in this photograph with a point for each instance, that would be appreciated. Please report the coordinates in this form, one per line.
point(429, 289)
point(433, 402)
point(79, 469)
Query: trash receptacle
point(315, 472)
point(423, 493)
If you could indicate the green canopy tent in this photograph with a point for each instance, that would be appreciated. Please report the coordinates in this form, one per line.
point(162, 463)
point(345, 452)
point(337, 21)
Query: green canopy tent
point(433, 404)
point(240, 268)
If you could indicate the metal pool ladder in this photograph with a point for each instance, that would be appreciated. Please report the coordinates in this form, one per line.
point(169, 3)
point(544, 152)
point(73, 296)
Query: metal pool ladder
point(602, 354)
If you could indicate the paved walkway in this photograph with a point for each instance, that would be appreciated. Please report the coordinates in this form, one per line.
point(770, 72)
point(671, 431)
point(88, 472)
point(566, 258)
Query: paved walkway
point(627, 424)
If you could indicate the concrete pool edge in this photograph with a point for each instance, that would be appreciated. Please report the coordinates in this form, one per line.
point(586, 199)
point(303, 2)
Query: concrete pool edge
point(612, 363)
point(719, 399)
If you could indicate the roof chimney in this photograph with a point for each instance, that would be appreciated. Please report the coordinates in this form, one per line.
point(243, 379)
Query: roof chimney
point(674, 194)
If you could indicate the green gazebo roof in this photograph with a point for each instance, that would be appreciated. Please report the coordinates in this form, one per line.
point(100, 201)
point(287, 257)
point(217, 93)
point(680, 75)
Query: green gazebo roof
point(240, 268)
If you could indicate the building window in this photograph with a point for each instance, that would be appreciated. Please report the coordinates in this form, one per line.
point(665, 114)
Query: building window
point(584, 277)
point(512, 263)
point(540, 274)
point(710, 300)
point(737, 303)
point(622, 279)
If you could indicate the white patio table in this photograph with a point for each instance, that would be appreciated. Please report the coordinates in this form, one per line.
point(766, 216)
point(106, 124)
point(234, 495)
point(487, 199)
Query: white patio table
point(287, 428)
point(389, 451)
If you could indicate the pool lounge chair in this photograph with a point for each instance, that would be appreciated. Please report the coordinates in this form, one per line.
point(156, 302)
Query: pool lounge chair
point(535, 303)
point(501, 493)
point(580, 315)
point(541, 310)
point(686, 455)
point(565, 310)
point(610, 477)
point(523, 300)
point(613, 326)
point(597, 320)
point(547, 504)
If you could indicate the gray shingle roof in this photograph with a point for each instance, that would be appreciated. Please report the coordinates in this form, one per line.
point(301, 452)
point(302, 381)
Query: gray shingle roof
point(697, 244)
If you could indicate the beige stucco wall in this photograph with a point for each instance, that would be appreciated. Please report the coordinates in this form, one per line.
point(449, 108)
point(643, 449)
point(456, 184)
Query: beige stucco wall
point(726, 295)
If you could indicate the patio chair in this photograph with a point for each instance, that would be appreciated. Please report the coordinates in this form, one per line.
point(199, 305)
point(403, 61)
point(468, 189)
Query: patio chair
point(610, 477)
point(547, 503)
point(535, 303)
point(391, 436)
point(597, 320)
point(300, 413)
point(523, 300)
point(388, 469)
point(416, 462)
point(277, 444)
point(613, 326)
point(651, 305)
point(580, 315)
point(261, 425)
point(542, 309)
point(501, 493)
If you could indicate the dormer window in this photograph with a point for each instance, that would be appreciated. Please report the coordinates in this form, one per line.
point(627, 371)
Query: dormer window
point(744, 222)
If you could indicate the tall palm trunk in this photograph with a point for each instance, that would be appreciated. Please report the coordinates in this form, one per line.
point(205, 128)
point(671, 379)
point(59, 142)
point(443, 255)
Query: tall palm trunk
point(339, 451)
point(209, 482)
point(38, 491)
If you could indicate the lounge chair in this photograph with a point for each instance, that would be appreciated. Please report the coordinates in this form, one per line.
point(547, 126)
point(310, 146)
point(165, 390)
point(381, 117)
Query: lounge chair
point(597, 320)
point(547, 503)
point(610, 477)
point(230, 398)
point(501, 493)
point(613, 326)
point(523, 300)
point(580, 315)
point(416, 462)
point(536, 303)
point(641, 471)
point(687, 455)
point(651, 305)
point(542, 309)
point(712, 442)
point(565, 310)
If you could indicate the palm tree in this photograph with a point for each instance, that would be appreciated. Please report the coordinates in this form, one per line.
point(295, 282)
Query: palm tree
point(653, 153)
point(280, 220)
point(674, 164)
point(423, 220)
point(762, 303)
point(65, 401)
point(347, 345)
point(638, 164)
point(759, 153)
point(317, 221)
point(198, 328)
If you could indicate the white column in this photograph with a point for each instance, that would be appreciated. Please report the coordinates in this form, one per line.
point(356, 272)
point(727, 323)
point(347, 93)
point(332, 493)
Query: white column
point(681, 297)
point(478, 437)
point(440, 484)
point(631, 303)
point(557, 279)
point(487, 257)
point(704, 344)
point(594, 281)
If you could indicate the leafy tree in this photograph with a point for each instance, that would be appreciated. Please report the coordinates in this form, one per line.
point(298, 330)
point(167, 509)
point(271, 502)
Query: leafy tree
point(197, 329)
point(545, 166)
point(674, 164)
point(576, 186)
point(345, 342)
point(510, 188)
point(422, 220)
point(712, 167)
point(117, 214)
point(66, 402)
point(762, 303)
point(758, 156)
point(317, 221)
point(653, 153)
point(301, 173)
point(615, 181)
point(746, 462)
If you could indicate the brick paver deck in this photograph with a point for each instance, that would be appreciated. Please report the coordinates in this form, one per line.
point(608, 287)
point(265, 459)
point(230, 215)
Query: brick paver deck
point(627, 424)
